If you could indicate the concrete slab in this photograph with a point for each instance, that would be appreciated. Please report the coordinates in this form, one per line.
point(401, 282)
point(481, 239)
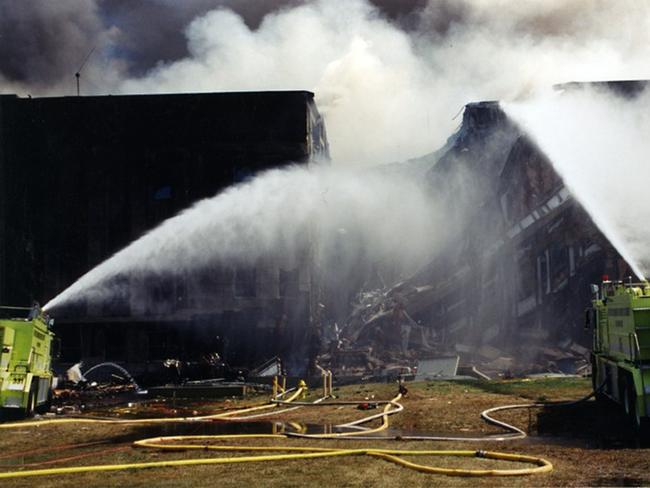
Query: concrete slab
point(441, 367)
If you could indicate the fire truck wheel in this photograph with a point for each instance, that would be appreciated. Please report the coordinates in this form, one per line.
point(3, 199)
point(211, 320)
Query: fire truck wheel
point(627, 401)
point(45, 407)
point(31, 400)
point(598, 388)
point(634, 414)
point(639, 422)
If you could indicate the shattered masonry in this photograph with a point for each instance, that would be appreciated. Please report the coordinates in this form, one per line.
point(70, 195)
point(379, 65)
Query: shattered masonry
point(508, 290)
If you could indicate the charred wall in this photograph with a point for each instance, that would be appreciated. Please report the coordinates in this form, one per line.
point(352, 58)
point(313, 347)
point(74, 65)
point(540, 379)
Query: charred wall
point(521, 251)
point(84, 176)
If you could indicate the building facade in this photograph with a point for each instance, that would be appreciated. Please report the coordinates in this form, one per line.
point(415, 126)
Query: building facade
point(520, 253)
point(82, 177)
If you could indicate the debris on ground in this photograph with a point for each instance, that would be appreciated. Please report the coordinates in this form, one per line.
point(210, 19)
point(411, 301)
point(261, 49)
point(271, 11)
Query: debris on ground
point(380, 339)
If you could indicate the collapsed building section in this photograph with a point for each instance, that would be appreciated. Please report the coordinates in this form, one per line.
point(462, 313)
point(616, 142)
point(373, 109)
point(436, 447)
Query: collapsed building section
point(82, 177)
point(508, 288)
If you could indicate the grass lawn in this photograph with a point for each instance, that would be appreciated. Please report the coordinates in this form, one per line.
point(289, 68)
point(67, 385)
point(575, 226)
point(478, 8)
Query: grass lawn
point(589, 443)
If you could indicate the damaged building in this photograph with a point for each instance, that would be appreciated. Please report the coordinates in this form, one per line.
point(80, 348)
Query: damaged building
point(508, 289)
point(82, 177)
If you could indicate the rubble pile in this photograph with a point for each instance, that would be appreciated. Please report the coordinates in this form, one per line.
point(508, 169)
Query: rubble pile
point(568, 358)
point(380, 338)
point(72, 399)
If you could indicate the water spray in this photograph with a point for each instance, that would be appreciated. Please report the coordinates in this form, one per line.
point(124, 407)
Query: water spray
point(278, 215)
point(598, 144)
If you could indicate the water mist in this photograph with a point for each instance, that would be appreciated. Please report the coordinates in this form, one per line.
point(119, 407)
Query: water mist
point(277, 214)
point(598, 142)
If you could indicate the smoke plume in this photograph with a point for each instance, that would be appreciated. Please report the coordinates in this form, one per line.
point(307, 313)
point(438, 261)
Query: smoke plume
point(43, 43)
point(389, 76)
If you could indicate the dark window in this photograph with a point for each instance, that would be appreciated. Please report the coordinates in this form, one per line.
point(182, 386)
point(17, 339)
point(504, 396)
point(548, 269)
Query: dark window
point(543, 280)
point(289, 282)
point(181, 293)
point(245, 282)
point(559, 255)
point(163, 193)
point(527, 271)
point(116, 342)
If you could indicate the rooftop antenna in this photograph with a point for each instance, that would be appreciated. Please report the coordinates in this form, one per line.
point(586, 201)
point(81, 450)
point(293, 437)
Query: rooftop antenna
point(78, 73)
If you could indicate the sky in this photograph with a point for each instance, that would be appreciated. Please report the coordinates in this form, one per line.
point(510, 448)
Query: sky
point(389, 76)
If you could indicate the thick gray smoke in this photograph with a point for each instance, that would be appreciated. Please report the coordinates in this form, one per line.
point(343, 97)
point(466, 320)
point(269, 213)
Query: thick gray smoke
point(277, 216)
point(599, 144)
point(43, 43)
point(162, 38)
point(389, 76)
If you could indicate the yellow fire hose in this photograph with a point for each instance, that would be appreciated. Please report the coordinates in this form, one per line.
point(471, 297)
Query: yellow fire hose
point(223, 415)
point(289, 452)
point(384, 423)
point(294, 453)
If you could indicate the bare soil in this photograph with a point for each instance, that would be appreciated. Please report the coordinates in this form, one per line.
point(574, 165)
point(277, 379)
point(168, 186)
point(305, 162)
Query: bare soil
point(589, 444)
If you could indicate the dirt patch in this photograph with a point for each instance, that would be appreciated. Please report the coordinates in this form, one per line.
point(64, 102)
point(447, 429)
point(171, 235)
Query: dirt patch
point(588, 444)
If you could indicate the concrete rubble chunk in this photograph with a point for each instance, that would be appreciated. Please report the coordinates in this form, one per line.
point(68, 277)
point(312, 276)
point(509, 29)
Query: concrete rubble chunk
point(441, 367)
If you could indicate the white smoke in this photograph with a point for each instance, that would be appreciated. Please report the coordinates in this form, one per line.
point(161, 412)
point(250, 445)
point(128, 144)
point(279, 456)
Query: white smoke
point(277, 215)
point(388, 85)
point(599, 143)
point(389, 88)
point(390, 94)
point(369, 83)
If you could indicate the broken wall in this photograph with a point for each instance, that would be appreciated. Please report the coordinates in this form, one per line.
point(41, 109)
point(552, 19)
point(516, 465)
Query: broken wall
point(510, 280)
point(515, 274)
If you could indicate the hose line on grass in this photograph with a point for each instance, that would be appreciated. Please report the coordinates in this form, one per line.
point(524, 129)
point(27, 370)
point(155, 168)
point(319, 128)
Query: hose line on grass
point(296, 453)
point(229, 415)
point(396, 408)
point(513, 433)
point(293, 452)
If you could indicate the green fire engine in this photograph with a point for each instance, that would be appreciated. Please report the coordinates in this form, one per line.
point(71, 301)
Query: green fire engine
point(25, 360)
point(620, 318)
